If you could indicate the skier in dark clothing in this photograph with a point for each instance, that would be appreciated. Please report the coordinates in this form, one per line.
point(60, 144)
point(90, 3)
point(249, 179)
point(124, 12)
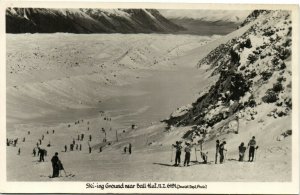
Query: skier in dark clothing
point(90, 149)
point(217, 151)
point(178, 152)
point(125, 149)
point(90, 137)
point(80, 147)
point(73, 141)
point(66, 148)
point(82, 136)
point(55, 165)
point(129, 148)
point(187, 157)
point(251, 144)
point(221, 151)
point(41, 153)
point(204, 157)
point(19, 151)
point(34, 152)
point(242, 150)
point(76, 146)
point(53, 131)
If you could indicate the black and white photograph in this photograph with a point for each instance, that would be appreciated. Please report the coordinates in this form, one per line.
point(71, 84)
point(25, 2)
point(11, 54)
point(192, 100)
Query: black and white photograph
point(151, 94)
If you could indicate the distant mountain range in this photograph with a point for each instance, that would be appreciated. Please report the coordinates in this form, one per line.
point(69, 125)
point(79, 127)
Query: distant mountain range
point(41, 20)
point(204, 27)
point(206, 22)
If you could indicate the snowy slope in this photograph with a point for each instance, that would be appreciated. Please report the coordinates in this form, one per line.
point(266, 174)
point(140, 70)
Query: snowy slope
point(253, 86)
point(22, 20)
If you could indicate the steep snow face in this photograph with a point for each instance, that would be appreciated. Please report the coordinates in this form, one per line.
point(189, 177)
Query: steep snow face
point(24, 20)
point(254, 76)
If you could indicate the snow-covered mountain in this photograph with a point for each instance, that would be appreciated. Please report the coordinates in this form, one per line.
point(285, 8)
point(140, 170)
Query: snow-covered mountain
point(24, 20)
point(254, 78)
point(206, 22)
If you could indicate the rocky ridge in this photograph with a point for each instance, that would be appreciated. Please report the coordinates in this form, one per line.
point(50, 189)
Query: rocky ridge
point(254, 76)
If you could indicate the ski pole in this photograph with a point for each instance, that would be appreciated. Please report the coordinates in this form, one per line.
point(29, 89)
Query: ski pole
point(171, 154)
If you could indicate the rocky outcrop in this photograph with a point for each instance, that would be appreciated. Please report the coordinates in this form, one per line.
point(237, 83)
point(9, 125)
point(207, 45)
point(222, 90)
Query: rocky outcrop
point(254, 69)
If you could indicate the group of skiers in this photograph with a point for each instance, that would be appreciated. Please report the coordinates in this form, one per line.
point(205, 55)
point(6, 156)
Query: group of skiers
point(220, 152)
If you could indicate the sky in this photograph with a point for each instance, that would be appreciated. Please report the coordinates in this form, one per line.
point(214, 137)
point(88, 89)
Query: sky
point(231, 15)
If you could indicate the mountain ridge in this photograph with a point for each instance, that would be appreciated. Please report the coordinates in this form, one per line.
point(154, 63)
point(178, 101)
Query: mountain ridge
point(41, 20)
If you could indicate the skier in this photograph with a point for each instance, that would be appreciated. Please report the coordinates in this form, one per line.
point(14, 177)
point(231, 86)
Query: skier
point(221, 151)
point(43, 137)
point(90, 149)
point(80, 147)
point(28, 132)
point(47, 132)
point(76, 146)
point(129, 148)
point(204, 157)
point(242, 150)
point(217, 151)
point(178, 153)
point(40, 141)
point(125, 149)
point(90, 137)
point(23, 139)
point(55, 165)
point(100, 149)
point(78, 137)
point(41, 153)
point(19, 151)
point(187, 157)
point(34, 152)
point(82, 136)
point(53, 131)
point(73, 141)
point(66, 148)
point(251, 144)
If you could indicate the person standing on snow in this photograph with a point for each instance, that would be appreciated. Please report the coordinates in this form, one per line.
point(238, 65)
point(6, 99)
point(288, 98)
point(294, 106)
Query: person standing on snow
point(55, 165)
point(41, 152)
point(34, 152)
point(129, 148)
point(187, 157)
point(221, 151)
point(217, 151)
point(251, 144)
point(242, 150)
point(178, 152)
